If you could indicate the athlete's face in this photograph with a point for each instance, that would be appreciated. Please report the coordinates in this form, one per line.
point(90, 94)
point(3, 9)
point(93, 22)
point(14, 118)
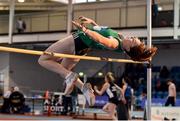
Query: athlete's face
point(129, 42)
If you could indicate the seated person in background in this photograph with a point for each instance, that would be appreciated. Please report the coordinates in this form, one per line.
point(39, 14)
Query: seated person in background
point(111, 89)
point(17, 101)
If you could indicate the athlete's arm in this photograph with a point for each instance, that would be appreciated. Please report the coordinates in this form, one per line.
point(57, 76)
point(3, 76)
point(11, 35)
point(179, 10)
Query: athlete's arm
point(108, 42)
point(103, 89)
point(119, 88)
point(122, 92)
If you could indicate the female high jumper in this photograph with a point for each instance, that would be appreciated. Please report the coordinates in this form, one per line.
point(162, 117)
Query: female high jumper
point(90, 35)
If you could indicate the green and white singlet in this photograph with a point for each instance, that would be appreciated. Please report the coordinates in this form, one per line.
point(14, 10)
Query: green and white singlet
point(90, 43)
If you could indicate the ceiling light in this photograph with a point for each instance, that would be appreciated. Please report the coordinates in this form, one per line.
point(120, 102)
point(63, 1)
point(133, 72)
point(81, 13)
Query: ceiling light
point(73, 1)
point(61, 1)
point(81, 74)
point(21, 1)
point(160, 8)
point(100, 74)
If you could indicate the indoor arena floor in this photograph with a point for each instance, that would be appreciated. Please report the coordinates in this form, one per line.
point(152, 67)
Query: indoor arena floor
point(85, 116)
point(45, 117)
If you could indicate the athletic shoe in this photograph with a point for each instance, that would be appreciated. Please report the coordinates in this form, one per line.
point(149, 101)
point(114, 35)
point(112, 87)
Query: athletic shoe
point(88, 92)
point(70, 80)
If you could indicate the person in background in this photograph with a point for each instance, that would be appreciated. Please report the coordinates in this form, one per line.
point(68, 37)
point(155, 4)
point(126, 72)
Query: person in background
point(111, 89)
point(20, 26)
point(17, 101)
point(74, 96)
point(128, 93)
point(122, 112)
point(67, 103)
point(171, 99)
point(144, 103)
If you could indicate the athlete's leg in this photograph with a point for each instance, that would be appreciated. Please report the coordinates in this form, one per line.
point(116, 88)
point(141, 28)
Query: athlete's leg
point(65, 46)
point(105, 107)
point(110, 108)
point(55, 64)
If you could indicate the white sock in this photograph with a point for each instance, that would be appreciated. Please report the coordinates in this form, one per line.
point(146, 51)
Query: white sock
point(67, 76)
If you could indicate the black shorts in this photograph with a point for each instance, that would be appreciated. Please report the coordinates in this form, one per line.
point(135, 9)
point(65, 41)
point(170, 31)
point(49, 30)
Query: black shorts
point(114, 101)
point(80, 47)
point(170, 101)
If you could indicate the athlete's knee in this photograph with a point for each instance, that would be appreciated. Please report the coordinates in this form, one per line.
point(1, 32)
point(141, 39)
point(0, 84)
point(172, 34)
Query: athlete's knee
point(105, 109)
point(42, 59)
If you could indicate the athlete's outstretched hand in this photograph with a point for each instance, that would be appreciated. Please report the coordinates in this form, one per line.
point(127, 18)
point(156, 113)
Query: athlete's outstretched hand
point(79, 26)
point(85, 20)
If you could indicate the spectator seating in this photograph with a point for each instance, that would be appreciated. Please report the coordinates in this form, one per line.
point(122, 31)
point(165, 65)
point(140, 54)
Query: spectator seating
point(156, 69)
point(175, 73)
